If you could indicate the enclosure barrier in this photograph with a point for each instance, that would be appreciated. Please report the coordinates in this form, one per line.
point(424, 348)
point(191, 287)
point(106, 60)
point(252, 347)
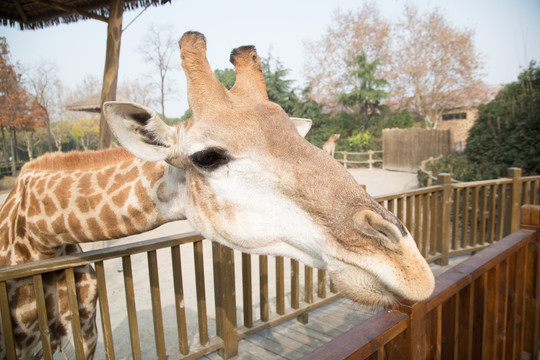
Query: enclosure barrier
point(487, 307)
point(346, 158)
point(445, 219)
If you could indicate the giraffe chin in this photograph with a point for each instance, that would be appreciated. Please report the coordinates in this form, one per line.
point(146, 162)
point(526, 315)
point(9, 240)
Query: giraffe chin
point(363, 288)
point(367, 288)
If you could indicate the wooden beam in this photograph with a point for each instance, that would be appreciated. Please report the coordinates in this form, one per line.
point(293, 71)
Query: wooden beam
point(20, 10)
point(70, 10)
point(112, 62)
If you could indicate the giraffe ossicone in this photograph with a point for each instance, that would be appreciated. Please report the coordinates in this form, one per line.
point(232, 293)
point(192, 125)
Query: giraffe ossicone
point(239, 170)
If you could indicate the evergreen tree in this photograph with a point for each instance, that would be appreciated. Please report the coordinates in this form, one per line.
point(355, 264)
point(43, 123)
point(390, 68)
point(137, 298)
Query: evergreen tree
point(507, 131)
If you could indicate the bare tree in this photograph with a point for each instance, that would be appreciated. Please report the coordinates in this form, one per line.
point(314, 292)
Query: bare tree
point(158, 49)
point(430, 65)
point(138, 91)
point(47, 89)
point(327, 67)
point(436, 65)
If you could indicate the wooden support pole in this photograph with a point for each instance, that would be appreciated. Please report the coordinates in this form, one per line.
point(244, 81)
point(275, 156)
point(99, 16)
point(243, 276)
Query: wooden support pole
point(530, 219)
point(444, 222)
point(110, 75)
point(225, 298)
point(515, 200)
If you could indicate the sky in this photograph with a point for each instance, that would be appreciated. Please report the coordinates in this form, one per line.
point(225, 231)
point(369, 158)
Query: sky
point(506, 34)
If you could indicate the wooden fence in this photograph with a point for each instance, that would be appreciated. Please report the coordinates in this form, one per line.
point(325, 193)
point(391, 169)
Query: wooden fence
point(359, 159)
point(487, 307)
point(405, 149)
point(445, 219)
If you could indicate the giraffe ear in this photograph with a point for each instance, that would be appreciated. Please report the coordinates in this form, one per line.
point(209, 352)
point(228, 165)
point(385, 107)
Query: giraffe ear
point(302, 125)
point(140, 130)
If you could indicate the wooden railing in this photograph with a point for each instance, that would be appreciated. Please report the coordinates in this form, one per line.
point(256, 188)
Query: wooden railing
point(487, 307)
point(445, 219)
point(368, 158)
point(452, 218)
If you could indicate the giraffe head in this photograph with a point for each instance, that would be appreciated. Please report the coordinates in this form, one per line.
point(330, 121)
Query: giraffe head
point(242, 174)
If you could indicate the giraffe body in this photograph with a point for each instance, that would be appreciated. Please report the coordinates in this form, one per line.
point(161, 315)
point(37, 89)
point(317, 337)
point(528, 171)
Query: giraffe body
point(61, 200)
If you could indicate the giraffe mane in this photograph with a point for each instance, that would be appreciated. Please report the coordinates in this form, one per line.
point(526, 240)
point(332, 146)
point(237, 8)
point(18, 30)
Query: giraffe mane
point(78, 160)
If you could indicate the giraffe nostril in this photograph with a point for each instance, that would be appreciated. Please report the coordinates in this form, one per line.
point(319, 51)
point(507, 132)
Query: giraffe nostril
point(372, 224)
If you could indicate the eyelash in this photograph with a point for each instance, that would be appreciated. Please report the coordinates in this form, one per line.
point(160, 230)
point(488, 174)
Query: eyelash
point(209, 159)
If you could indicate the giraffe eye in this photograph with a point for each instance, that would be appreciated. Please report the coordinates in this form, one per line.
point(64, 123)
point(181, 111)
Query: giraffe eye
point(209, 159)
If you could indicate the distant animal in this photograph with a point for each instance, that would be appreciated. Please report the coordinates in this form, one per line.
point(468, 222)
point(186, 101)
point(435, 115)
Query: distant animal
point(330, 144)
point(238, 170)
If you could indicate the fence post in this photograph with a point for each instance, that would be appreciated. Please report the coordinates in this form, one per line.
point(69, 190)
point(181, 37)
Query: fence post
point(412, 343)
point(443, 231)
point(345, 159)
point(370, 153)
point(225, 297)
point(530, 219)
point(512, 223)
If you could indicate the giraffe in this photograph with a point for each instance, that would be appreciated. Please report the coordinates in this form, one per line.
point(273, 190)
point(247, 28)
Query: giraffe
point(239, 170)
point(330, 144)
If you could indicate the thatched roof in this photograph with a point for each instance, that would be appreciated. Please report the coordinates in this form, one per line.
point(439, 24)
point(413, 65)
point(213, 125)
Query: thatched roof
point(37, 14)
point(90, 103)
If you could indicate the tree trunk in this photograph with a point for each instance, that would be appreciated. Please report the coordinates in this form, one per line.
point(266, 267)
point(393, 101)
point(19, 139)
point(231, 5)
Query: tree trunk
point(49, 137)
point(4, 149)
point(13, 151)
point(29, 146)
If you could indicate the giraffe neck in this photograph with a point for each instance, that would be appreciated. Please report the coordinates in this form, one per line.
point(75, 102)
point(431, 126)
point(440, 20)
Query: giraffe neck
point(60, 204)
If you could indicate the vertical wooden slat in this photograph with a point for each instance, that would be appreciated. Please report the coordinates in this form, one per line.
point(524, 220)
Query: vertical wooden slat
point(247, 295)
point(157, 315)
point(465, 322)
point(434, 247)
point(42, 317)
point(308, 284)
point(502, 310)
point(321, 283)
point(280, 285)
point(391, 206)
point(74, 310)
point(510, 334)
point(418, 220)
point(492, 318)
point(409, 213)
point(401, 209)
point(263, 287)
point(200, 289)
point(521, 261)
point(425, 224)
point(455, 221)
point(104, 310)
point(295, 284)
point(465, 229)
point(474, 216)
point(501, 211)
point(131, 309)
point(225, 299)
point(480, 317)
point(434, 335)
point(515, 200)
point(179, 300)
point(444, 208)
point(308, 292)
point(7, 329)
point(483, 214)
point(450, 328)
point(492, 213)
